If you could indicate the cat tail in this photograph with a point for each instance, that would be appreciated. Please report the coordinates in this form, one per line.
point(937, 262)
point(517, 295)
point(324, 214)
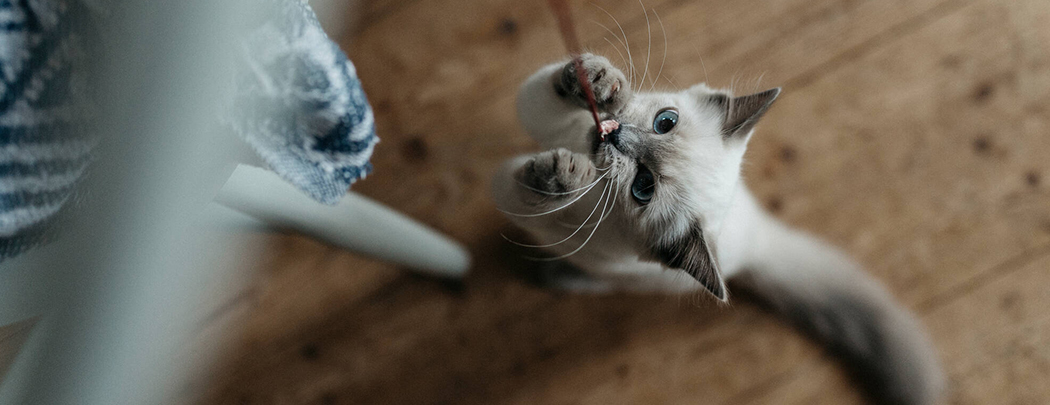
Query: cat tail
point(827, 295)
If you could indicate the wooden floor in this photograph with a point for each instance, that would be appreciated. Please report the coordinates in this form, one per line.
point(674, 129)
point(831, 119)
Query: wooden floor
point(913, 133)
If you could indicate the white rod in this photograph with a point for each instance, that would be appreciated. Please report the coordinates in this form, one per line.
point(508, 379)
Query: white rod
point(355, 223)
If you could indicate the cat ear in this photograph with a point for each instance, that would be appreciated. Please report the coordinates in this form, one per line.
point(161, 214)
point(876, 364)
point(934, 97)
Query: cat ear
point(693, 255)
point(742, 113)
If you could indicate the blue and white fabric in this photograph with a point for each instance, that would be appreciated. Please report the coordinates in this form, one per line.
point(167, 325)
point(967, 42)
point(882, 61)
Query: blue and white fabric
point(299, 104)
point(43, 145)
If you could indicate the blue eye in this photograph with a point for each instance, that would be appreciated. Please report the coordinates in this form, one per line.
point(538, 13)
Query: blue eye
point(644, 185)
point(665, 121)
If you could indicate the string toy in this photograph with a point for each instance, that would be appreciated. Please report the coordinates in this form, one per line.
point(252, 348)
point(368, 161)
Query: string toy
point(572, 43)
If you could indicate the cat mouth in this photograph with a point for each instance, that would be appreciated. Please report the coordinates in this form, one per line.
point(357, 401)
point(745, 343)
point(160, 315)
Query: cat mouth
point(609, 140)
point(604, 150)
point(600, 144)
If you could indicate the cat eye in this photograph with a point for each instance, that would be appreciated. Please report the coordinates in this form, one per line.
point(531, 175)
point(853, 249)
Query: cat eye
point(644, 185)
point(665, 121)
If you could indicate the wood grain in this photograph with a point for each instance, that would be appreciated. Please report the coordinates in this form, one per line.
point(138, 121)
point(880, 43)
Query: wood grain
point(912, 133)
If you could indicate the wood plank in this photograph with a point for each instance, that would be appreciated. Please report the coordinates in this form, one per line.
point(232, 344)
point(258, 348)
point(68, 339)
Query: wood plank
point(919, 157)
point(994, 340)
point(740, 44)
point(1000, 336)
point(952, 176)
point(470, 348)
point(452, 94)
point(932, 111)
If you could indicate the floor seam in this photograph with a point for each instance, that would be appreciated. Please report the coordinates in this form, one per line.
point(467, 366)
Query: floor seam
point(996, 272)
point(866, 47)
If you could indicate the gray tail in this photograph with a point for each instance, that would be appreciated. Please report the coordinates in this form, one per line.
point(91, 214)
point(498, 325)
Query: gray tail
point(828, 297)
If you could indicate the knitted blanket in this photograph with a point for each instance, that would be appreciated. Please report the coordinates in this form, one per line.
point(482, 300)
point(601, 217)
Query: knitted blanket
point(299, 104)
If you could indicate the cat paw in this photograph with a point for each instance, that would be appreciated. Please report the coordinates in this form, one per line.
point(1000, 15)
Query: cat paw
point(610, 86)
point(557, 173)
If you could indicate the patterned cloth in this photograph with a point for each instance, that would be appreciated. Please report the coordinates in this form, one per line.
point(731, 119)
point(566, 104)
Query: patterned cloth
point(43, 148)
point(299, 104)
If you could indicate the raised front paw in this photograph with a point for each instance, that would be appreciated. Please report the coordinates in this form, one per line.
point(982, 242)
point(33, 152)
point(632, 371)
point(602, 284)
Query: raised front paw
point(610, 86)
point(557, 173)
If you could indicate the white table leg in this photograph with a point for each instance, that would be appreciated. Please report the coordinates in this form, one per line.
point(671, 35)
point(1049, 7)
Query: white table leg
point(356, 223)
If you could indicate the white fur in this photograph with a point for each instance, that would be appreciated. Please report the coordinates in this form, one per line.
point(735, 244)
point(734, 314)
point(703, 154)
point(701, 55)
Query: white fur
point(712, 176)
point(808, 281)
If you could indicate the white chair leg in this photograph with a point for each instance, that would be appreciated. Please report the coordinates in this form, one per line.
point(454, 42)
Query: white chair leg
point(356, 223)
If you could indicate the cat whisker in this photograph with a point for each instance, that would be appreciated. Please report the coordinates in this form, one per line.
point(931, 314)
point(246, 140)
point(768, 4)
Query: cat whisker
point(627, 44)
point(585, 223)
point(733, 82)
point(622, 59)
point(672, 83)
point(649, 47)
point(574, 200)
point(617, 48)
point(664, 60)
point(702, 65)
point(605, 193)
point(536, 190)
point(596, 225)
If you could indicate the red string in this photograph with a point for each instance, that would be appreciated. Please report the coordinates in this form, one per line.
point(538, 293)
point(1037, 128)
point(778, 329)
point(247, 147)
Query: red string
point(572, 43)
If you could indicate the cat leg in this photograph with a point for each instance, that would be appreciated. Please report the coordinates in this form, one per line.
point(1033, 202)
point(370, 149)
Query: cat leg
point(828, 296)
point(564, 276)
point(646, 278)
point(641, 278)
point(552, 106)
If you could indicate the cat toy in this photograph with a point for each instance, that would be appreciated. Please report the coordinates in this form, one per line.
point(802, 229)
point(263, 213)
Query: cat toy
point(572, 43)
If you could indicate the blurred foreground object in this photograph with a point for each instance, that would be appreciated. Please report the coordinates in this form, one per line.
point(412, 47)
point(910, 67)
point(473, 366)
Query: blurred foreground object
point(120, 293)
point(356, 222)
point(44, 141)
point(115, 304)
point(299, 104)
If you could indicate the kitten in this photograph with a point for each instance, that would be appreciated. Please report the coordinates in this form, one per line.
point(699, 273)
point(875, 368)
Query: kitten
point(664, 209)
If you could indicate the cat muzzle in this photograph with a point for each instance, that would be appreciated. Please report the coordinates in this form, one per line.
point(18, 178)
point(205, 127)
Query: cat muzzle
point(613, 136)
point(625, 140)
point(622, 139)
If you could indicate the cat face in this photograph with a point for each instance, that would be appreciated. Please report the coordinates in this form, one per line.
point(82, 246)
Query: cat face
point(674, 164)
